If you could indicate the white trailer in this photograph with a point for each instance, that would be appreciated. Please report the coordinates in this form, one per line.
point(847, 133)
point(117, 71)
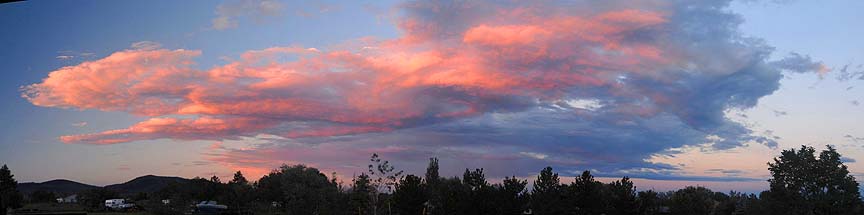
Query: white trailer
point(118, 204)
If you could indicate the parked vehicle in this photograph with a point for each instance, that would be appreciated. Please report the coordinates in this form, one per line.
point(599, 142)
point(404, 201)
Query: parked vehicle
point(118, 204)
point(210, 207)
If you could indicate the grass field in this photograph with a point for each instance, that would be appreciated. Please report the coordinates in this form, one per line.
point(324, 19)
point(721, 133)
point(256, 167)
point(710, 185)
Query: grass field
point(120, 213)
point(70, 208)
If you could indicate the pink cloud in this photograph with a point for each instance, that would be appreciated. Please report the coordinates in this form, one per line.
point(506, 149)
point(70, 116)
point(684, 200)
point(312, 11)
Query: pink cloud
point(138, 81)
point(182, 129)
point(449, 64)
point(505, 35)
point(363, 91)
point(334, 131)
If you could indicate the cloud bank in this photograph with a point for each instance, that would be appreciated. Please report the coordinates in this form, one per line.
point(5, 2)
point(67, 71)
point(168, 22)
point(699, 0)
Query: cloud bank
point(509, 86)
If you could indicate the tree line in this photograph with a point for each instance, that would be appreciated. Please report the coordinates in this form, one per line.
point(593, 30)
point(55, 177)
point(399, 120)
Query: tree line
point(801, 183)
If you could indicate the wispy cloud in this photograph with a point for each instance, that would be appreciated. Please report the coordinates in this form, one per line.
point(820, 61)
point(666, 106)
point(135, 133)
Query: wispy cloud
point(229, 12)
point(854, 138)
point(780, 113)
point(74, 55)
point(146, 45)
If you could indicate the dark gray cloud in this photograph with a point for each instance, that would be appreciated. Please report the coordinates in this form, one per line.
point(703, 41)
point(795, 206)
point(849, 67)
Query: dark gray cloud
point(507, 86)
point(640, 114)
point(780, 113)
point(846, 73)
point(854, 138)
point(674, 177)
point(800, 64)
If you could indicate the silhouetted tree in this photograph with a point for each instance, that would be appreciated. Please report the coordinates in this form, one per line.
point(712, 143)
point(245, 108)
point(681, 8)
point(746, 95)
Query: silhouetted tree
point(738, 203)
point(94, 199)
point(300, 190)
point(754, 205)
point(692, 200)
point(511, 196)
point(384, 179)
point(361, 195)
point(586, 195)
point(204, 189)
point(433, 186)
point(547, 194)
point(432, 176)
point(215, 179)
point(40, 196)
point(410, 195)
point(140, 196)
point(453, 194)
point(803, 184)
point(269, 187)
point(621, 197)
point(178, 195)
point(239, 179)
point(649, 202)
point(240, 191)
point(480, 195)
point(9, 195)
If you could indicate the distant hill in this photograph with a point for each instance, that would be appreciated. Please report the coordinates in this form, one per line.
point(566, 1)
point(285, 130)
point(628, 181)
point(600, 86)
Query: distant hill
point(147, 183)
point(57, 186)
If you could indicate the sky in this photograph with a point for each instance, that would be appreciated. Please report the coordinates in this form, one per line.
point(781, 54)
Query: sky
point(670, 93)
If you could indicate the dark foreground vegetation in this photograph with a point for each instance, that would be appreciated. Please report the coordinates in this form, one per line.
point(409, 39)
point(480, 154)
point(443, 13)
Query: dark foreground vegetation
point(802, 183)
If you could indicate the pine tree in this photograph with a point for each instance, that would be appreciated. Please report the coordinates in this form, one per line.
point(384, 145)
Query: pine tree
point(239, 179)
point(586, 194)
point(9, 195)
point(409, 196)
point(240, 191)
point(546, 198)
point(360, 198)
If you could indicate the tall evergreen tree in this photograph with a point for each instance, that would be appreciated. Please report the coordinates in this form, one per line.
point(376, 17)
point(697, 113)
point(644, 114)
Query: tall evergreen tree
point(410, 195)
point(621, 197)
point(648, 202)
point(360, 199)
point(240, 191)
point(10, 197)
point(546, 197)
point(511, 196)
point(586, 195)
point(480, 199)
point(435, 203)
point(453, 196)
point(239, 179)
point(432, 176)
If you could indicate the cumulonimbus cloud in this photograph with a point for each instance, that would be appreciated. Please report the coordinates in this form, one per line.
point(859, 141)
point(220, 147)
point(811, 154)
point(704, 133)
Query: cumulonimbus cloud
point(660, 73)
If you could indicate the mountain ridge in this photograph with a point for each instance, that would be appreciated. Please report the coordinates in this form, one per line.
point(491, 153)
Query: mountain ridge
point(146, 184)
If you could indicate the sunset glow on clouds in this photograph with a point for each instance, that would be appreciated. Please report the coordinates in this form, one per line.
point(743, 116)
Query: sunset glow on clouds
point(499, 85)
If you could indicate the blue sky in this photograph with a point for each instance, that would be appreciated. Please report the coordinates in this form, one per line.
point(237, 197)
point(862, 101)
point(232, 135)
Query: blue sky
point(679, 132)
